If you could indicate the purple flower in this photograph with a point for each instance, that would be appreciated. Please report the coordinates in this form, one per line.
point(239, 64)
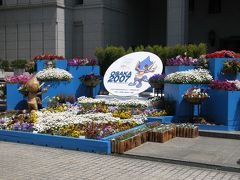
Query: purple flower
point(181, 60)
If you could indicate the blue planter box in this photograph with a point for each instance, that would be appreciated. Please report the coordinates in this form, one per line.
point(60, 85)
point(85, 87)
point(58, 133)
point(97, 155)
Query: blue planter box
point(215, 67)
point(173, 69)
point(175, 92)
point(62, 64)
point(88, 145)
point(78, 71)
point(224, 108)
point(162, 119)
point(56, 88)
point(15, 100)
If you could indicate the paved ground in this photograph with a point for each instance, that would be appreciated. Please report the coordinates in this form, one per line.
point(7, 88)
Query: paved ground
point(25, 162)
point(207, 150)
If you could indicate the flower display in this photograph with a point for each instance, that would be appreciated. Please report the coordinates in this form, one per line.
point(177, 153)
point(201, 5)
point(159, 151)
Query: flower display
point(81, 62)
point(54, 74)
point(231, 66)
point(157, 80)
point(91, 80)
point(223, 54)
point(195, 95)
point(225, 85)
point(114, 102)
point(196, 76)
point(155, 112)
point(181, 60)
point(21, 79)
point(48, 57)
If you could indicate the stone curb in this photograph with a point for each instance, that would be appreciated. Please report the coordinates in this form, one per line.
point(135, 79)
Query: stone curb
point(181, 162)
point(223, 134)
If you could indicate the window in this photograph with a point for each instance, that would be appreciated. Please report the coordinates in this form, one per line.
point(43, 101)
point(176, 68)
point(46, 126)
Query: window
point(1, 2)
point(214, 6)
point(191, 5)
point(78, 2)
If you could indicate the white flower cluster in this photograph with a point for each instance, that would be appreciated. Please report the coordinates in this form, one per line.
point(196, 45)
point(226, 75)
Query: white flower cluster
point(48, 120)
point(54, 74)
point(195, 76)
point(114, 102)
point(237, 83)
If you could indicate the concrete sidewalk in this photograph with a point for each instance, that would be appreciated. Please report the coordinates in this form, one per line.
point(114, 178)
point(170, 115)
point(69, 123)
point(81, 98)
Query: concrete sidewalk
point(216, 152)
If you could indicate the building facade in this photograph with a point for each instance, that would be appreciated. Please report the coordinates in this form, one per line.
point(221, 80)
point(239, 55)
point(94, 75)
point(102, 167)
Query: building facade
point(76, 27)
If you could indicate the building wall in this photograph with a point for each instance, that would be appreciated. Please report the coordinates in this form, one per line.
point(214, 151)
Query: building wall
point(90, 15)
point(27, 28)
point(225, 24)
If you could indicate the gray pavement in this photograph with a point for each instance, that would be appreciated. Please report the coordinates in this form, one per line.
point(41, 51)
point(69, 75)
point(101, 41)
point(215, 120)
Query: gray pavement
point(212, 151)
point(25, 162)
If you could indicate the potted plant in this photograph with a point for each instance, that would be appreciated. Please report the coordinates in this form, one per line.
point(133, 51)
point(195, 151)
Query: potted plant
point(90, 80)
point(231, 67)
point(157, 81)
point(18, 66)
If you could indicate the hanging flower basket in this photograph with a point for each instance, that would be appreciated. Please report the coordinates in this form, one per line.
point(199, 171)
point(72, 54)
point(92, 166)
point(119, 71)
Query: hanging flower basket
point(195, 95)
point(195, 100)
point(90, 80)
point(156, 85)
point(91, 83)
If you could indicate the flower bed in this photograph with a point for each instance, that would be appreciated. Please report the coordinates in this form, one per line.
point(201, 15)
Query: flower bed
point(196, 76)
point(81, 62)
point(18, 79)
point(182, 60)
point(54, 74)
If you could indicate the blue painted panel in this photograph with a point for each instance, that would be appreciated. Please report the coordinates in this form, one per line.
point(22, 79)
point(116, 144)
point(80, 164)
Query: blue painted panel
point(224, 107)
point(56, 88)
point(213, 127)
point(215, 67)
point(15, 100)
point(175, 92)
point(173, 69)
point(162, 119)
point(122, 132)
point(89, 145)
point(78, 71)
point(62, 64)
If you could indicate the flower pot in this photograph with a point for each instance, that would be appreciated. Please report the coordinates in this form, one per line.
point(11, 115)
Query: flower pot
point(195, 100)
point(91, 83)
point(156, 85)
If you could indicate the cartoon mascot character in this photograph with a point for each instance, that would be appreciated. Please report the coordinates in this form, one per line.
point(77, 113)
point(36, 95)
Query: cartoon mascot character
point(143, 67)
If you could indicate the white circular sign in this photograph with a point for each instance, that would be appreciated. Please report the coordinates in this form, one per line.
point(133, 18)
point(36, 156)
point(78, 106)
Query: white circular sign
point(128, 76)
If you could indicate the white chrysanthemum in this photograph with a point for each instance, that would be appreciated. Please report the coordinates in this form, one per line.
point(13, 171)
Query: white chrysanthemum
point(54, 74)
point(189, 77)
point(48, 120)
point(114, 102)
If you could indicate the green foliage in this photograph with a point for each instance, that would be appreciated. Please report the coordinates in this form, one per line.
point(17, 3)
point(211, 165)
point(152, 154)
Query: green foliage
point(106, 56)
point(18, 64)
point(4, 64)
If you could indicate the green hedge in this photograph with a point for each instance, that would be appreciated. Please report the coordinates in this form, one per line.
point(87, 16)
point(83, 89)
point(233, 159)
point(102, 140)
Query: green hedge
point(106, 56)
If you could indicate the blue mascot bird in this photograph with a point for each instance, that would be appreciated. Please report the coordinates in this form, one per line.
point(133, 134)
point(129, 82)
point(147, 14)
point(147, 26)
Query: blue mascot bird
point(142, 68)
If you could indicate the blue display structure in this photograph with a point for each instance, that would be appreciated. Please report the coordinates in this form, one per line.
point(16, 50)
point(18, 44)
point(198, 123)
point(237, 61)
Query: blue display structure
point(61, 64)
point(224, 108)
point(56, 88)
point(15, 100)
point(78, 88)
point(88, 145)
point(173, 69)
point(215, 67)
point(175, 92)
